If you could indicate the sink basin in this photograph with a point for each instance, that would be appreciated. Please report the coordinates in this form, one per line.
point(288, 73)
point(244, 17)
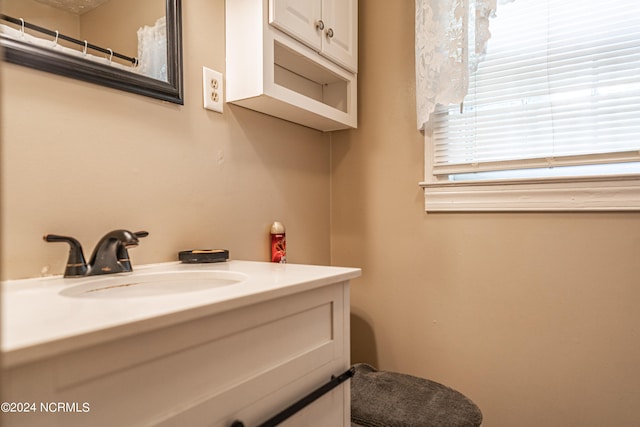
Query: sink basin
point(152, 284)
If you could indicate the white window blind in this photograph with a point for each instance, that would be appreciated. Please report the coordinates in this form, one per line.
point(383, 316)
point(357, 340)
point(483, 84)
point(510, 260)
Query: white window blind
point(560, 86)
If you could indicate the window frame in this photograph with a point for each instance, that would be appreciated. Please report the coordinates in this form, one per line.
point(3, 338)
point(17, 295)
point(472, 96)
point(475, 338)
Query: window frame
point(588, 193)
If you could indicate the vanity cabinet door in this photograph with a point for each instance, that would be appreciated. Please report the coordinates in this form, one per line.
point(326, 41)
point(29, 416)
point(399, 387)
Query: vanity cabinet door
point(327, 26)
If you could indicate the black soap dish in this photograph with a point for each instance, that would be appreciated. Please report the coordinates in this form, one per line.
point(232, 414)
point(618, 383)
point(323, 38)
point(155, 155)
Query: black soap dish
point(196, 256)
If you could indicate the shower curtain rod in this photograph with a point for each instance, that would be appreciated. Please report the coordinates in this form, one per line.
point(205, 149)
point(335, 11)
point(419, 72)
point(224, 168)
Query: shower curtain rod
point(58, 35)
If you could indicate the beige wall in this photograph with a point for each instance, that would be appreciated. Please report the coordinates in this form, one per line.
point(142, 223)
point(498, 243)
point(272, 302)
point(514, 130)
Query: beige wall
point(80, 159)
point(534, 316)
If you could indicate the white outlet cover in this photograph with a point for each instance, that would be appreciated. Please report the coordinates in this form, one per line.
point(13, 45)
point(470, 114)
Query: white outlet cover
point(212, 89)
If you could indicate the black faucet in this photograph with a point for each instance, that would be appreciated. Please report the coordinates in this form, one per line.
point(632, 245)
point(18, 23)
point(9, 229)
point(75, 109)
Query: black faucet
point(110, 255)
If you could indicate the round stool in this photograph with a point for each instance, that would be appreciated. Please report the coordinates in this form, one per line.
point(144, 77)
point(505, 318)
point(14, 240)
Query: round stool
point(389, 399)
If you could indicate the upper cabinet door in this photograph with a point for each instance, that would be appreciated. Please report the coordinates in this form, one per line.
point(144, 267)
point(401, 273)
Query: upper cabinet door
point(340, 34)
point(327, 26)
point(300, 19)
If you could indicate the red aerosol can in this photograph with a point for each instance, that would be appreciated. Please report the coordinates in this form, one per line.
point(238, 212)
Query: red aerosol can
point(278, 243)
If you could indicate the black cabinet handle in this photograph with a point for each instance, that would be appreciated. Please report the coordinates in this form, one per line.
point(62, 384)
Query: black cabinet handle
point(305, 401)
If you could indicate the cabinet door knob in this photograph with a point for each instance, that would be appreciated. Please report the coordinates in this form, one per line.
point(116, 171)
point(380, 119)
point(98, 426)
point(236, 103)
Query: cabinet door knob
point(330, 32)
point(320, 24)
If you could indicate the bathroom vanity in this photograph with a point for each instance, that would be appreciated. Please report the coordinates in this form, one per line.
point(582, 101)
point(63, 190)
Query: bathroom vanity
point(157, 347)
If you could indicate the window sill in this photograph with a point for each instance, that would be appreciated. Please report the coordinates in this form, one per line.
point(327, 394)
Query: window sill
point(599, 193)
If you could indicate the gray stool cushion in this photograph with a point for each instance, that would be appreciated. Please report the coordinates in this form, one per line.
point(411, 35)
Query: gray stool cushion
point(388, 399)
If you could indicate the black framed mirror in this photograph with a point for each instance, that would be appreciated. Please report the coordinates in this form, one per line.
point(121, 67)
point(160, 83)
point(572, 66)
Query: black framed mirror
point(169, 88)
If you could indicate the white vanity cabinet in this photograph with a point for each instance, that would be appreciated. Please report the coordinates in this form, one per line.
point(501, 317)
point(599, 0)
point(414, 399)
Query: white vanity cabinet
point(327, 26)
point(294, 59)
point(245, 363)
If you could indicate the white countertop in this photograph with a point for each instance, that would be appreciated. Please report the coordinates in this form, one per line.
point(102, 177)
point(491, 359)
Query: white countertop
point(38, 322)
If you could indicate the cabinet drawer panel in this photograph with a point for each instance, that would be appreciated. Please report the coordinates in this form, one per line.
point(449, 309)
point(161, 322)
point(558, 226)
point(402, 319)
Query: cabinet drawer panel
point(250, 404)
point(84, 365)
point(295, 336)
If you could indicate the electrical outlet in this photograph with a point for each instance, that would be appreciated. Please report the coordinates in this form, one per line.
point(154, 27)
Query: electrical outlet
point(212, 89)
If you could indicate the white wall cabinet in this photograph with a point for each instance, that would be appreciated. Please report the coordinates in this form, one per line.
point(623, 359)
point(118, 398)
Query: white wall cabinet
point(245, 364)
point(294, 59)
point(328, 26)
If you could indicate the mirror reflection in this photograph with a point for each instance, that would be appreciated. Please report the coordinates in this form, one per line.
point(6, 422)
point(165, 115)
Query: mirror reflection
point(120, 33)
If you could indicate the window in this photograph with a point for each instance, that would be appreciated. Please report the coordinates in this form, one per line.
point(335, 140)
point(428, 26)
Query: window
point(552, 117)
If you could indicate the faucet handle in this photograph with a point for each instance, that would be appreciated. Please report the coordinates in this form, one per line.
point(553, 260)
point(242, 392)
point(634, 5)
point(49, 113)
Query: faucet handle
point(123, 255)
point(76, 265)
point(141, 234)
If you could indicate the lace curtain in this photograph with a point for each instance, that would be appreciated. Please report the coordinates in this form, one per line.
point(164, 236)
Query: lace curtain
point(152, 50)
point(451, 38)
